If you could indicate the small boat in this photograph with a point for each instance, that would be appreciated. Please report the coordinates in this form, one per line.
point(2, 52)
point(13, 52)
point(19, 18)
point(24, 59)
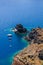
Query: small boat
point(9, 35)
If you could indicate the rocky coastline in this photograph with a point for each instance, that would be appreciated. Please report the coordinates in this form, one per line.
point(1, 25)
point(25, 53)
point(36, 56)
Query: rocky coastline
point(33, 54)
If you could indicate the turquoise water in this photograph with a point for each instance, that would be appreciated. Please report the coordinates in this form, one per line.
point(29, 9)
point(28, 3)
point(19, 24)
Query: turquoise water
point(27, 12)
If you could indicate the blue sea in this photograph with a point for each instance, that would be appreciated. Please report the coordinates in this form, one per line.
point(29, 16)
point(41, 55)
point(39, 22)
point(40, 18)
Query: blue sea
point(12, 12)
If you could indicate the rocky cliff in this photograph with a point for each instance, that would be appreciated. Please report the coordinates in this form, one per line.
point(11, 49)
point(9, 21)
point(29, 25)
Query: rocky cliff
point(33, 54)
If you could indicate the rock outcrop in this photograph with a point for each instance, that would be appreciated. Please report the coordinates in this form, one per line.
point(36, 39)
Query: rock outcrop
point(33, 54)
point(20, 29)
point(36, 35)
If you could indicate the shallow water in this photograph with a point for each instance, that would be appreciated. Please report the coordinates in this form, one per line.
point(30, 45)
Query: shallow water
point(27, 12)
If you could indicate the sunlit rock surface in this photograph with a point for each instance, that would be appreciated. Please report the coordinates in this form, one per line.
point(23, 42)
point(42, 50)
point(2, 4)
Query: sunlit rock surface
point(33, 54)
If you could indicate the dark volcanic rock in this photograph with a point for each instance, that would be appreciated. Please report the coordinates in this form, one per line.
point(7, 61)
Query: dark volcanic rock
point(35, 35)
point(20, 29)
point(19, 26)
point(32, 35)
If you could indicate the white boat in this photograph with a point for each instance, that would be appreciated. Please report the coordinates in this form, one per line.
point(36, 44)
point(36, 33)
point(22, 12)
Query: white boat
point(9, 35)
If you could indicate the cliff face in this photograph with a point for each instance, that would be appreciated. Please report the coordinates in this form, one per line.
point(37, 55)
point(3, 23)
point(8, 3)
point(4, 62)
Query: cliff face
point(33, 54)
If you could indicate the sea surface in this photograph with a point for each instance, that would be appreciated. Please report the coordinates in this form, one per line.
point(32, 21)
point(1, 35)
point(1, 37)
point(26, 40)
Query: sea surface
point(12, 12)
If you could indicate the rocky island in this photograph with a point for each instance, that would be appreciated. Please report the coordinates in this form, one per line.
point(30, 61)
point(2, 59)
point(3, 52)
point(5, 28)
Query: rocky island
point(33, 54)
point(19, 29)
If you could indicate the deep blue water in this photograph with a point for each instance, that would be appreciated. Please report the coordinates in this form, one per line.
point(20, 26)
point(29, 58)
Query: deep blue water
point(27, 12)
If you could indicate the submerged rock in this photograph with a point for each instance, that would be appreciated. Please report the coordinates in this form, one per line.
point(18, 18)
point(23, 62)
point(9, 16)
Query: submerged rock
point(10, 45)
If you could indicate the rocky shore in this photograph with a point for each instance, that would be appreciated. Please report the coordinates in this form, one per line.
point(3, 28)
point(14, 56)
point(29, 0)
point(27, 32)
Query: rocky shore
point(33, 54)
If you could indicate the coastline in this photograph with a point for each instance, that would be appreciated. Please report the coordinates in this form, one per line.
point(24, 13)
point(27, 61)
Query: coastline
point(15, 54)
point(26, 56)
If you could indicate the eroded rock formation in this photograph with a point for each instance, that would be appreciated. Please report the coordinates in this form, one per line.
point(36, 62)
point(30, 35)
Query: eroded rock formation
point(33, 54)
point(20, 29)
